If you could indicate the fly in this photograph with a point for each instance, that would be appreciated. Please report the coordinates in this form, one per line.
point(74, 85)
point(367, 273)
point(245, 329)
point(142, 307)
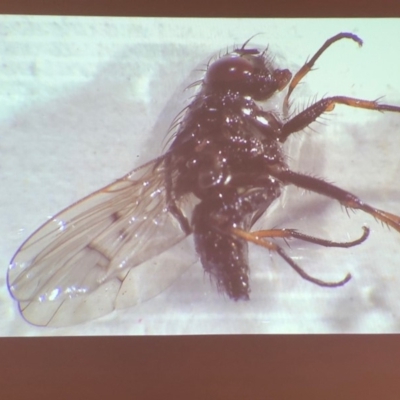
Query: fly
point(223, 169)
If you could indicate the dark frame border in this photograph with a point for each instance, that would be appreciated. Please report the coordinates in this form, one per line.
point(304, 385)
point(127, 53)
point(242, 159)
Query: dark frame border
point(199, 367)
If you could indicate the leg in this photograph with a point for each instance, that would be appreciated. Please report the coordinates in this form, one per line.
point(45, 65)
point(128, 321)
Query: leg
point(310, 114)
point(171, 200)
point(345, 198)
point(294, 234)
point(177, 213)
point(258, 238)
point(306, 68)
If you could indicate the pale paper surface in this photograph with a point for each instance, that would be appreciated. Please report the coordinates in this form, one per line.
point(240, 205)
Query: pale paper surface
point(85, 100)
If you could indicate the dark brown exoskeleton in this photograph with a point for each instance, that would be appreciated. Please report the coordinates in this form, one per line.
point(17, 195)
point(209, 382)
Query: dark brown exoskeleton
point(229, 154)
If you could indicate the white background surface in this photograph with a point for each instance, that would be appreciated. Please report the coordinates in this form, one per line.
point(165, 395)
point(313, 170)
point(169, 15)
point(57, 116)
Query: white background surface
point(85, 100)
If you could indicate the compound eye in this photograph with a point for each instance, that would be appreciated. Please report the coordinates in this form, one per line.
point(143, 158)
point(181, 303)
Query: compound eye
point(228, 69)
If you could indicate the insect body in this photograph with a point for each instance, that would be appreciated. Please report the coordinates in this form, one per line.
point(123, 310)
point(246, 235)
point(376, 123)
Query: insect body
point(227, 155)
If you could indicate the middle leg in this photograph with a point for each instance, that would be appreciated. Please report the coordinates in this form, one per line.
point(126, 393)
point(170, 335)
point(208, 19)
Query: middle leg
point(310, 114)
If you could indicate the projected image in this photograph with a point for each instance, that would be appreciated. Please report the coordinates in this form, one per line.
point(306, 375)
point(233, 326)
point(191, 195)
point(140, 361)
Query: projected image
point(261, 172)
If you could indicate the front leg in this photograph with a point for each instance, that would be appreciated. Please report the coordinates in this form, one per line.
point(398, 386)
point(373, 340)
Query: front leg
point(327, 189)
point(307, 67)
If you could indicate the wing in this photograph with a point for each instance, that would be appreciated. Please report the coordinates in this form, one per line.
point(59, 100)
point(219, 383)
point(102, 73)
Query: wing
point(72, 268)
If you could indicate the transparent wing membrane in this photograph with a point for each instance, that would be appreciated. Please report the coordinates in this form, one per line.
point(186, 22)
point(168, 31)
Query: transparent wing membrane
point(89, 248)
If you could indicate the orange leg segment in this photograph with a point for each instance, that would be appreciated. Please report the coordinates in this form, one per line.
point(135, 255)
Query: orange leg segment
point(303, 71)
point(258, 237)
point(310, 114)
